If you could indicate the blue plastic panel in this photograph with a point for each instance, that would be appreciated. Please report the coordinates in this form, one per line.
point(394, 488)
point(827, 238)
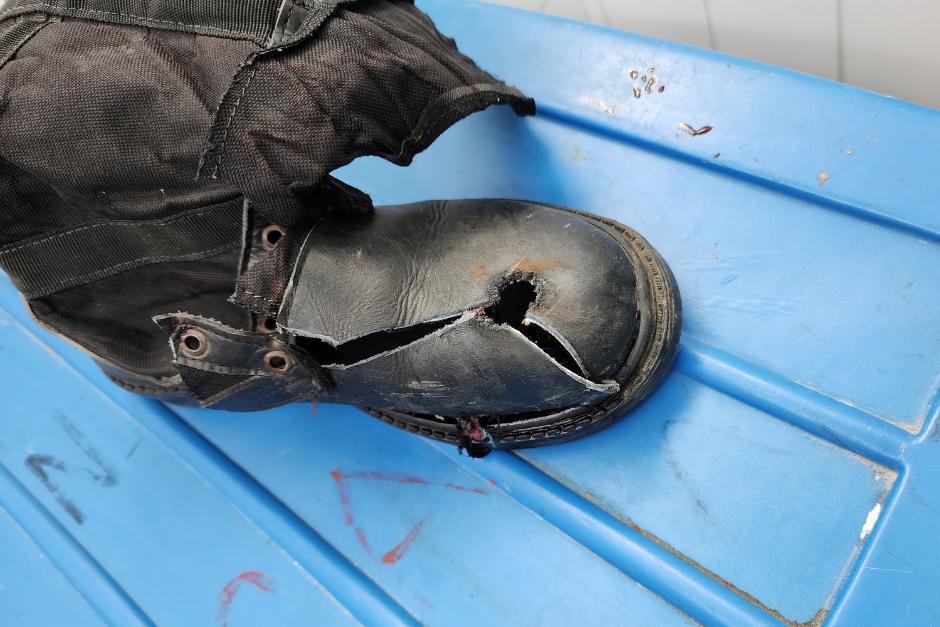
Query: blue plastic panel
point(28, 580)
point(179, 547)
point(788, 470)
point(683, 474)
point(426, 531)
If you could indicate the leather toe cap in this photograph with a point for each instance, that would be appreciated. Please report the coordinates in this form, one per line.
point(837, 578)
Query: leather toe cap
point(467, 307)
point(410, 264)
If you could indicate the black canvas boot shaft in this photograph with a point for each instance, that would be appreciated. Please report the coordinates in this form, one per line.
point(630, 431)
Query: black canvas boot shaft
point(111, 109)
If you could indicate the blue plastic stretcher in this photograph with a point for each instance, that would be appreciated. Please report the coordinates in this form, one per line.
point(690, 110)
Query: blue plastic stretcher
point(788, 470)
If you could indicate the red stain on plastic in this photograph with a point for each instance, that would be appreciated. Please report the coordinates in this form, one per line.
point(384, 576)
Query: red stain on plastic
point(463, 488)
point(399, 550)
point(255, 578)
point(377, 475)
point(361, 536)
point(343, 496)
point(342, 479)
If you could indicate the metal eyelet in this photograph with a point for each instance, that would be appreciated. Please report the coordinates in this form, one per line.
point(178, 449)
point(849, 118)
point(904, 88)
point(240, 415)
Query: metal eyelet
point(193, 343)
point(271, 236)
point(266, 326)
point(278, 362)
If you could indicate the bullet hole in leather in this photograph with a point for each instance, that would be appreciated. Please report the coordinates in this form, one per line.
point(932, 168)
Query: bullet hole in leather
point(511, 308)
point(514, 300)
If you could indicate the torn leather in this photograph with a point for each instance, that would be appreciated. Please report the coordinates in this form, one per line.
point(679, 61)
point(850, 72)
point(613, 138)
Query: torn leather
point(471, 367)
point(414, 263)
point(465, 308)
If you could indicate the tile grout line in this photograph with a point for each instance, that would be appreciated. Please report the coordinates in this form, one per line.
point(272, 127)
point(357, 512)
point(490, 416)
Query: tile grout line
point(595, 11)
point(709, 25)
point(840, 42)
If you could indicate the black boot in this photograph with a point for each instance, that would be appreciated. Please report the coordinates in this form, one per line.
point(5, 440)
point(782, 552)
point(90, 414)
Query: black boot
point(487, 323)
point(174, 157)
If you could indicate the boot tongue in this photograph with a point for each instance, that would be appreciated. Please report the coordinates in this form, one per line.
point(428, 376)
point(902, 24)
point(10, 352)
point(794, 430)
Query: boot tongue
point(414, 264)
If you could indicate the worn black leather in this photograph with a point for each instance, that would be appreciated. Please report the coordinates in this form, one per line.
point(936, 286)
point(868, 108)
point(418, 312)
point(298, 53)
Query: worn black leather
point(407, 312)
point(486, 323)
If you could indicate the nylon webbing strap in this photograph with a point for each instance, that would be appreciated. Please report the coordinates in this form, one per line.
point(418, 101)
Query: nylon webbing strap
point(235, 19)
point(55, 262)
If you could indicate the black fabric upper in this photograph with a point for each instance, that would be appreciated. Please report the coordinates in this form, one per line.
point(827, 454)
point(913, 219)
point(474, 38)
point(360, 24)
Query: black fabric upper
point(120, 116)
point(375, 79)
point(253, 20)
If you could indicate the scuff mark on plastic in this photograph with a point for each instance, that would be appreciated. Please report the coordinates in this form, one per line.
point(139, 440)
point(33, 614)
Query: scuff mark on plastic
point(37, 464)
point(870, 521)
point(600, 105)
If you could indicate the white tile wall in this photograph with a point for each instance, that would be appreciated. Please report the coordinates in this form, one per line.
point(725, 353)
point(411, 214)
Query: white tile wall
point(889, 46)
point(893, 46)
point(680, 20)
point(801, 34)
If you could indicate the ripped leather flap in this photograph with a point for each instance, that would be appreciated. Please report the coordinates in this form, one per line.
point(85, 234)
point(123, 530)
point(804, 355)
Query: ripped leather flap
point(472, 367)
point(410, 264)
